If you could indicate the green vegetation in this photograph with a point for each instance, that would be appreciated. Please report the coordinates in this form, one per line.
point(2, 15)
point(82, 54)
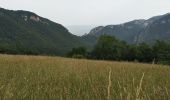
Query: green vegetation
point(110, 48)
point(79, 52)
point(54, 78)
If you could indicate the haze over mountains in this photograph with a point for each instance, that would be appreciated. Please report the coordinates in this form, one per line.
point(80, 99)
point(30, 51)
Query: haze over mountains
point(80, 29)
point(28, 33)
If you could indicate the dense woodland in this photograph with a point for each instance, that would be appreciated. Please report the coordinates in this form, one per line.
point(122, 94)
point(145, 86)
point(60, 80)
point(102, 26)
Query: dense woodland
point(110, 48)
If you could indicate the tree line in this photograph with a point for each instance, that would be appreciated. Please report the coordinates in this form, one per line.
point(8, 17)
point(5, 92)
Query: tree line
point(110, 48)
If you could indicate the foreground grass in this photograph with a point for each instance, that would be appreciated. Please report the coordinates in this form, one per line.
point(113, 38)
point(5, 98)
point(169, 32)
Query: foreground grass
point(54, 78)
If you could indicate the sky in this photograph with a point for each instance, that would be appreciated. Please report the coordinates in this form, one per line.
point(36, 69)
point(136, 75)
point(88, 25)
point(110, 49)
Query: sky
point(91, 12)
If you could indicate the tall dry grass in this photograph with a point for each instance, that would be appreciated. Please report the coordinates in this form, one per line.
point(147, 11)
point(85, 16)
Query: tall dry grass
point(55, 78)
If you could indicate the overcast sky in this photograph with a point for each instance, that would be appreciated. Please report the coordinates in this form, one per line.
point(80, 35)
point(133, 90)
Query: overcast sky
point(91, 12)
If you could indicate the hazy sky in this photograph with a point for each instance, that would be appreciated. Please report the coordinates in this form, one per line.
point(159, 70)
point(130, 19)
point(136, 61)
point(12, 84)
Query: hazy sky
point(91, 12)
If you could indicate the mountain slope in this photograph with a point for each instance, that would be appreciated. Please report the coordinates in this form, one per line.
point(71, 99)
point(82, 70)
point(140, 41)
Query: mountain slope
point(26, 32)
point(137, 31)
point(159, 29)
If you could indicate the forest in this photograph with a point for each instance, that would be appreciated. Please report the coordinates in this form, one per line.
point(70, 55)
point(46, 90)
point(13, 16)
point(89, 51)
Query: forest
point(111, 48)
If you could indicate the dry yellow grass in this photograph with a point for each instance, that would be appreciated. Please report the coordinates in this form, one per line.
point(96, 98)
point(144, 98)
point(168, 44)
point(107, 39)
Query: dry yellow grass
point(56, 78)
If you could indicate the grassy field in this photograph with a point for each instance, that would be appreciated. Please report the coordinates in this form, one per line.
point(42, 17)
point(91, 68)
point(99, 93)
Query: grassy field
point(55, 78)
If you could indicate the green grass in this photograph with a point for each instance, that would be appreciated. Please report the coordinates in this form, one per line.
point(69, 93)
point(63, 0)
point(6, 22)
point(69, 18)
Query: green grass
point(55, 78)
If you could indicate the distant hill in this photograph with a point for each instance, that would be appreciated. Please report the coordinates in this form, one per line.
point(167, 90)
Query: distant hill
point(26, 32)
point(137, 31)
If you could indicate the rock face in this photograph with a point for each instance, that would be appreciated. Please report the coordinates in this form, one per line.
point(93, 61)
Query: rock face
point(35, 18)
point(159, 29)
point(137, 31)
point(96, 30)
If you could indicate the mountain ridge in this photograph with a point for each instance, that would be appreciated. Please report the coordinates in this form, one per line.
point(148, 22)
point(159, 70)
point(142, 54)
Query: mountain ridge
point(132, 31)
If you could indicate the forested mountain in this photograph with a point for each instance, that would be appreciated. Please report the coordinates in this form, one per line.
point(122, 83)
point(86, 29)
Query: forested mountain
point(27, 33)
point(137, 31)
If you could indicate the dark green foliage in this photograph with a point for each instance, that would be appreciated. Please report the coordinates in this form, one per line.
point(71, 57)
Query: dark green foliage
point(161, 51)
point(145, 53)
point(131, 53)
point(79, 52)
point(110, 48)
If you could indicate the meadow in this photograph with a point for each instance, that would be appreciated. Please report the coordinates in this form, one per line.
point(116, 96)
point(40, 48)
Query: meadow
point(57, 78)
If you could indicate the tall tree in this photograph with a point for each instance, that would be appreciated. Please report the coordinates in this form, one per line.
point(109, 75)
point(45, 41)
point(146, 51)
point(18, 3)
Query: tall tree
point(108, 48)
point(145, 53)
point(162, 52)
point(79, 52)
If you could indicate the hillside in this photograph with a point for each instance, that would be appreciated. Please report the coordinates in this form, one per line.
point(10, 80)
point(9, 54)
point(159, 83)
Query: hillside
point(25, 32)
point(137, 31)
point(55, 78)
